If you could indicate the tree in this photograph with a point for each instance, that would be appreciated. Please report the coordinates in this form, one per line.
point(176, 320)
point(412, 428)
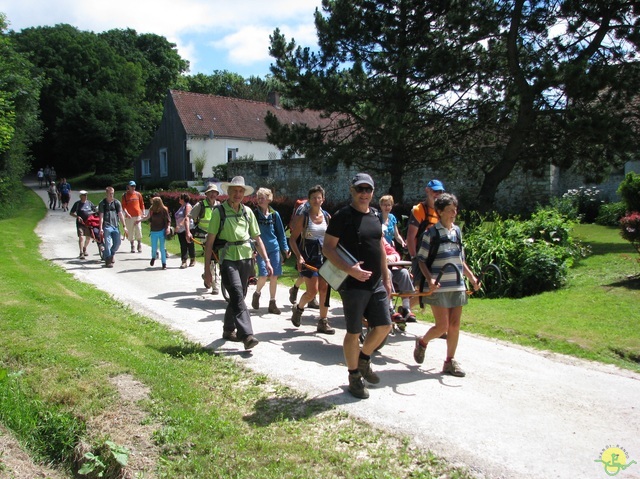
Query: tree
point(103, 94)
point(478, 84)
point(19, 122)
point(225, 83)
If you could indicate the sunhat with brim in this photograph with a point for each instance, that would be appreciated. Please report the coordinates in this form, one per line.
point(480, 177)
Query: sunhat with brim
point(82, 192)
point(236, 181)
point(211, 187)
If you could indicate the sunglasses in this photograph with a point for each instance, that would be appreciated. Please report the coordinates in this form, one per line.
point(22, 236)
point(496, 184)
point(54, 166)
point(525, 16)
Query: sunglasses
point(363, 189)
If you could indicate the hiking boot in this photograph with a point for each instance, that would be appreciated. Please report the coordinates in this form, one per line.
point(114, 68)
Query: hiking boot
point(452, 367)
point(164, 265)
point(214, 288)
point(183, 265)
point(230, 336)
point(364, 366)
point(133, 250)
point(250, 342)
point(419, 351)
point(324, 327)
point(192, 262)
point(293, 295)
point(152, 262)
point(407, 315)
point(84, 251)
point(273, 309)
point(255, 302)
point(357, 387)
point(313, 304)
point(81, 255)
point(139, 247)
point(296, 315)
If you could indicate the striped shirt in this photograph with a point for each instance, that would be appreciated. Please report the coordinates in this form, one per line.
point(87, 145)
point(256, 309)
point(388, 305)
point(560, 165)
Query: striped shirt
point(449, 251)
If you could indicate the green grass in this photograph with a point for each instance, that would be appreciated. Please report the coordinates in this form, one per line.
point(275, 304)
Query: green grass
point(61, 341)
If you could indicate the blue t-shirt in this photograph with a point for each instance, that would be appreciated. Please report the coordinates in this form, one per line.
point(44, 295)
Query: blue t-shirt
point(390, 228)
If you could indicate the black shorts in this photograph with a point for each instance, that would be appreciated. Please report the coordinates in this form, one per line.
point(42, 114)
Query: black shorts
point(359, 303)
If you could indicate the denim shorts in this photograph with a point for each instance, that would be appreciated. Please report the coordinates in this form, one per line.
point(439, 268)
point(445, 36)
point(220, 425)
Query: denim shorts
point(451, 299)
point(276, 263)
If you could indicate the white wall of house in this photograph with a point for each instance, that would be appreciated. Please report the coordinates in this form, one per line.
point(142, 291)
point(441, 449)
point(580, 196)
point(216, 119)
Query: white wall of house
point(219, 150)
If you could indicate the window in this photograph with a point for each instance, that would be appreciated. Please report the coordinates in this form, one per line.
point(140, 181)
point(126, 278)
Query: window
point(263, 170)
point(232, 154)
point(145, 167)
point(164, 162)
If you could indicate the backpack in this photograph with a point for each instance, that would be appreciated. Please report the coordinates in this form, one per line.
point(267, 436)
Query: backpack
point(425, 222)
point(220, 243)
point(296, 207)
point(435, 243)
point(305, 223)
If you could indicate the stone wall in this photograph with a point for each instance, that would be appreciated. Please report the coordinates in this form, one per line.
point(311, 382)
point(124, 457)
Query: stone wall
point(520, 193)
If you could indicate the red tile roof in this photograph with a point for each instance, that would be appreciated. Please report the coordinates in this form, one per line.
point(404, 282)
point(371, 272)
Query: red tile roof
point(233, 117)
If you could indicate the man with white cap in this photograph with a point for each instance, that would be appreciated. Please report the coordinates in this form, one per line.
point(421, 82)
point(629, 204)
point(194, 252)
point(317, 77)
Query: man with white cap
point(81, 210)
point(235, 227)
point(133, 206)
point(201, 215)
point(357, 229)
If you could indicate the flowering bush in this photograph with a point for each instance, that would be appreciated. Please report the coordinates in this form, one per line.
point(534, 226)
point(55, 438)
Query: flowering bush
point(630, 229)
point(582, 204)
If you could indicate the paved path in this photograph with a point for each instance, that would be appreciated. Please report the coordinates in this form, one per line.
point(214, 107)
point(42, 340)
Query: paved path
point(519, 413)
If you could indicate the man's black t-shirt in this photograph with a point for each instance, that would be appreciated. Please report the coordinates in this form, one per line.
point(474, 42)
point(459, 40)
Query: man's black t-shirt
point(360, 234)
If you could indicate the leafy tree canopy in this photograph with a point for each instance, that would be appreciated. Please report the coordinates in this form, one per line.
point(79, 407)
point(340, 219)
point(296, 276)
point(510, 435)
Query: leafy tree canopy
point(496, 83)
point(225, 83)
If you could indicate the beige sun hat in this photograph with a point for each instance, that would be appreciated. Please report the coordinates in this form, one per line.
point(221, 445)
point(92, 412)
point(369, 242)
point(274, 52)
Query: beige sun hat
point(211, 187)
point(237, 181)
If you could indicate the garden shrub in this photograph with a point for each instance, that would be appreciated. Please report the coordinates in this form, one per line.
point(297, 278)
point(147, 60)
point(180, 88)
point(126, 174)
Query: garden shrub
point(630, 229)
point(611, 213)
point(533, 255)
point(582, 204)
point(629, 191)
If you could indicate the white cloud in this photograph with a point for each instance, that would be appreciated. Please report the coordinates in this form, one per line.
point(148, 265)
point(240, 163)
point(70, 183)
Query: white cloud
point(237, 30)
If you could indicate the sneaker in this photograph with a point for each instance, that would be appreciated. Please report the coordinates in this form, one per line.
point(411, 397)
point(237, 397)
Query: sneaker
point(453, 367)
point(255, 302)
point(215, 289)
point(293, 295)
point(357, 387)
point(250, 342)
point(444, 336)
point(324, 327)
point(364, 366)
point(230, 336)
point(296, 315)
point(183, 265)
point(81, 255)
point(419, 351)
point(164, 265)
point(273, 308)
point(313, 304)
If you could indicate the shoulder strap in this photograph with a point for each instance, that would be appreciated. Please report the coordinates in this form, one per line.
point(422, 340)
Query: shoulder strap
point(434, 244)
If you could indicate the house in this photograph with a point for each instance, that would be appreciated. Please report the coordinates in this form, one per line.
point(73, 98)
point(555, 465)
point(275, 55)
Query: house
point(213, 128)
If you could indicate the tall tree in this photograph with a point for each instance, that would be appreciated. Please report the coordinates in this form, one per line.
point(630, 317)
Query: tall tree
point(19, 114)
point(410, 83)
point(103, 94)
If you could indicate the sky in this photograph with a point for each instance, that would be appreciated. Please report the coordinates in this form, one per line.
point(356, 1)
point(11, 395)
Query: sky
point(210, 34)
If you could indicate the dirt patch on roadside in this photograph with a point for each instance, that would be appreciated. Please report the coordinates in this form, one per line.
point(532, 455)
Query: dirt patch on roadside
point(15, 463)
point(128, 425)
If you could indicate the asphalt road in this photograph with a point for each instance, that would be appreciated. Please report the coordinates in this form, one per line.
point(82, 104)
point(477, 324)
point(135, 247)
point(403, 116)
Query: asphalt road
point(518, 413)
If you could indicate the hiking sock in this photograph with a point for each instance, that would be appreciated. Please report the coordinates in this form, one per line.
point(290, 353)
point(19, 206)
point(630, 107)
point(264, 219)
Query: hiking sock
point(364, 356)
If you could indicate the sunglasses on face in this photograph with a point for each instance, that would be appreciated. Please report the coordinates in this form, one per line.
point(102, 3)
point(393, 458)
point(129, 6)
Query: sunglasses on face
point(363, 189)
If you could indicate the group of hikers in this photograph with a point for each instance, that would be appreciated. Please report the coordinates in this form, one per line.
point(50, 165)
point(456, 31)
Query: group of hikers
point(358, 240)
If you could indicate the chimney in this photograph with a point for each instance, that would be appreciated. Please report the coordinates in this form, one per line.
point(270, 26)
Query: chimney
point(273, 98)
